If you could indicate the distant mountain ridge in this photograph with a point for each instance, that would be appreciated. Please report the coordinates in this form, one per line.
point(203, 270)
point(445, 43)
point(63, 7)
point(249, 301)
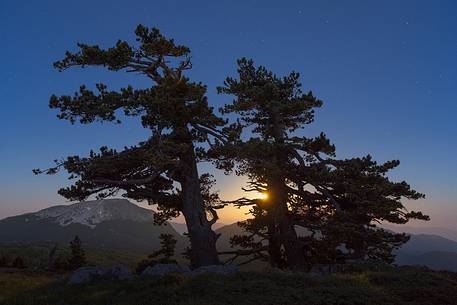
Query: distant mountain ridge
point(436, 260)
point(429, 250)
point(429, 230)
point(424, 243)
point(118, 224)
point(181, 228)
point(91, 213)
point(109, 223)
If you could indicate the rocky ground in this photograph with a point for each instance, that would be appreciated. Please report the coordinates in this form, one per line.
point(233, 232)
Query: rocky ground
point(399, 286)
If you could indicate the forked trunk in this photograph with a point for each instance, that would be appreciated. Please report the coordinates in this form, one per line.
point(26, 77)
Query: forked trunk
point(202, 237)
point(292, 245)
point(274, 246)
point(288, 236)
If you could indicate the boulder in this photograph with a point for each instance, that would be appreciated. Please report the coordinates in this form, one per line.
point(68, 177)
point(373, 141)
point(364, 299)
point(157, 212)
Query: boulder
point(86, 275)
point(164, 269)
point(320, 270)
point(89, 274)
point(218, 269)
point(118, 272)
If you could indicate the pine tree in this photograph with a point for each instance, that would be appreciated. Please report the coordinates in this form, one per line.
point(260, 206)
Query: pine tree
point(4, 260)
point(78, 256)
point(162, 256)
point(274, 108)
point(18, 262)
point(358, 197)
point(174, 109)
point(336, 202)
point(167, 250)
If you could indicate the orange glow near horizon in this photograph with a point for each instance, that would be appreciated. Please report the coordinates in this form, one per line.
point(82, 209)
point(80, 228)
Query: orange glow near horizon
point(263, 196)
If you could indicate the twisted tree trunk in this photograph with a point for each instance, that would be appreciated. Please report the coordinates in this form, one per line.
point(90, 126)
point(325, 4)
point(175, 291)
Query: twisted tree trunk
point(288, 236)
point(292, 245)
point(202, 237)
point(293, 249)
point(274, 245)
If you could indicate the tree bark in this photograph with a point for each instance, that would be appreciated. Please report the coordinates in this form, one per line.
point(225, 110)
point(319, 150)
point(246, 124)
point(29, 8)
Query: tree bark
point(274, 246)
point(292, 245)
point(293, 249)
point(288, 236)
point(202, 237)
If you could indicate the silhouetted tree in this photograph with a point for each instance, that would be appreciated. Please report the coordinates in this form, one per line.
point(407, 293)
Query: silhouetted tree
point(78, 256)
point(18, 262)
point(51, 256)
point(162, 256)
point(273, 108)
point(168, 244)
point(335, 203)
point(176, 113)
point(61, 262)
point(358, 196)
point(4, 260)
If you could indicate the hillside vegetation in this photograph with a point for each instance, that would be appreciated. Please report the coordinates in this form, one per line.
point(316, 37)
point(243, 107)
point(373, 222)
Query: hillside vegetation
point(405, 285)
point(36, 255)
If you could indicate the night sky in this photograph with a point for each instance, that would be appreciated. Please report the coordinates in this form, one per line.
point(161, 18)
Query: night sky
point(386, 71)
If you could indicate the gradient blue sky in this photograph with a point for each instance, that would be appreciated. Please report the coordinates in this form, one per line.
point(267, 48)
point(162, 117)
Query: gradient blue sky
point(386, 71)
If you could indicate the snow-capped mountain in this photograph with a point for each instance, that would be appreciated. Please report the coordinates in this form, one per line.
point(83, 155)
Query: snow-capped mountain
point(91, 213)
point(109, 223)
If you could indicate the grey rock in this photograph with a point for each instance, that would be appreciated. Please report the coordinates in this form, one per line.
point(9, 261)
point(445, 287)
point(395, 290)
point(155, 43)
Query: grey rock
point(219, 269)
point(321, 270)
point(164, 269)
point(118, 272)
point(86, 275)
point(89, 274)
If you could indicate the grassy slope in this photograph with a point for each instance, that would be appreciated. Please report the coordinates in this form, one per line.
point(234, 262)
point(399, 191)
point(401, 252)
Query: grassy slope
point(397, 286)
point(36, 254)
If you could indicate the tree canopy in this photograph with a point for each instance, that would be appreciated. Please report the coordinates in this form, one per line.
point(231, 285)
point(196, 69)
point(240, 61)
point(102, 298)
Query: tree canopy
point(331, 202)
point(176, 112)
point(319, 209)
